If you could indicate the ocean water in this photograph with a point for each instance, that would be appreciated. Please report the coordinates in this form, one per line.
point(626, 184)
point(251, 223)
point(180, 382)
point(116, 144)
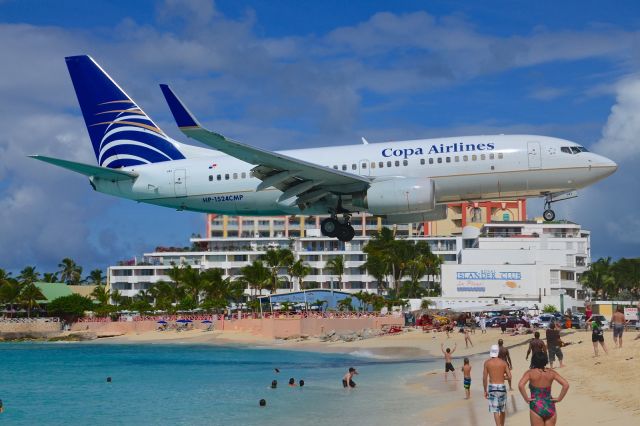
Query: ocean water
point(65, 384)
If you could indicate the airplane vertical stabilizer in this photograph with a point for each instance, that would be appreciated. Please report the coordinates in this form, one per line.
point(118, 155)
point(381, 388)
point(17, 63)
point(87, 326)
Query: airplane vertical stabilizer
point(121, 133)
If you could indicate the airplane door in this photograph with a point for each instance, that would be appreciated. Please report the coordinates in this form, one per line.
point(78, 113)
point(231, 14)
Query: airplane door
point(180, 182)
point(534, 155)
point(363, 167)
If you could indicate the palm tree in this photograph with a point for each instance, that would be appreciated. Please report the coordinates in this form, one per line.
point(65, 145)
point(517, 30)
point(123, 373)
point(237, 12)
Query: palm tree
point(627, 276)
point(50, 277)
point(29, 297)
point(70, 272)
point(256, 276)
point(9, 290)
point(599, 277)
point(101, 294)
point(336, 267)
point(277, 259)
point(299, 270)
point(164, 295)
point(95, 277)
point(28, 275)
point(116, 297)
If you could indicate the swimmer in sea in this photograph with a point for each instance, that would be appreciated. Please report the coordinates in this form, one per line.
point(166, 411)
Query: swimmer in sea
point(292, 382)
point(347, 380)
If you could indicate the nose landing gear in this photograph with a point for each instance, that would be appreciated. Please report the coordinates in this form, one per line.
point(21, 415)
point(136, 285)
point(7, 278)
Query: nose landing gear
point(333, 228)
point(549, 214)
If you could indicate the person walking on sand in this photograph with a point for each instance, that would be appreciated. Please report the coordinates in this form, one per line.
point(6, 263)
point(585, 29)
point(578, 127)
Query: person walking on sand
point(597, 336)
point(448, 365)
point(535, 345)
point(542, 406)
point(618, 322)
point(467, 338)
point(483, 324)
point(493, 375)
point(466, 373)
point(554, 344)
point(503, 323)
point(504, 355)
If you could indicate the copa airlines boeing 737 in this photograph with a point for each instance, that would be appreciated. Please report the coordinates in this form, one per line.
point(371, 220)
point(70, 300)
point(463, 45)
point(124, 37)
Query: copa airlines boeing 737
point(404, 181)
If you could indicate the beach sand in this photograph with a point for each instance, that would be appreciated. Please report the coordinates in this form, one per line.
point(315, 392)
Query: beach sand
point(604, 390)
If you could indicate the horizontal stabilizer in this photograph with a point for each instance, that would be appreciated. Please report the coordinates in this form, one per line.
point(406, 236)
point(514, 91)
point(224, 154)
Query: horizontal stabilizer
point(88, 169)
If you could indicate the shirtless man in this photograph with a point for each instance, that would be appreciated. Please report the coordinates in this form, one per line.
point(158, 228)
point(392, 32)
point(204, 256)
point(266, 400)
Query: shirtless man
point(505, 356)
point(618, 322)
point(467, 338)
point(347, 380)
point(536, 345)
point(448, 366)
point(495, 371)
point(466, 373)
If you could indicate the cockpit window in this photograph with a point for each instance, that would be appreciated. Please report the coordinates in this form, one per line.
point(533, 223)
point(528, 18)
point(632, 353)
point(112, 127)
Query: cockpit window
point(566, 149)
point(573, 149)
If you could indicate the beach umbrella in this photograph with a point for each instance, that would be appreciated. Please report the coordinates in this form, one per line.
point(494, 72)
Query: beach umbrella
point(162, 322)
point(182, 320)
point(206, 322)
point(187, 321)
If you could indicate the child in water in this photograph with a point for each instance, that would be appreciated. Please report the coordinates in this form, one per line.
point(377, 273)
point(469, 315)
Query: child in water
point(347, 380)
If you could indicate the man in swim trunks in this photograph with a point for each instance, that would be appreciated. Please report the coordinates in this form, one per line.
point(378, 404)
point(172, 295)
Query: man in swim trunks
point(493, 376)
point(618, 322)
point(554, 344)
point(466, 373)
point(536, 345)
point(505, 356)
point(347, 380)
point(448, 365)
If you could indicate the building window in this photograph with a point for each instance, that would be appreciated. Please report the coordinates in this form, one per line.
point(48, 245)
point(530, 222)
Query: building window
point(422, 161)
point(405, 162)
point(210, 178)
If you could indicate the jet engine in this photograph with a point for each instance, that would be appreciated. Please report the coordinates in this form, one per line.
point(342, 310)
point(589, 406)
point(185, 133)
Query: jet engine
point(400, 196)
point(439, 213)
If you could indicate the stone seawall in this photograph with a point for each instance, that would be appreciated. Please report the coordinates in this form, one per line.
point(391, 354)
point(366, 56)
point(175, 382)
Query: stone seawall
point(36, 327)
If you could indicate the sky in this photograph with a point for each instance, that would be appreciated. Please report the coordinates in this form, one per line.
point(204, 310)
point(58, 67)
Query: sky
point(287, 74)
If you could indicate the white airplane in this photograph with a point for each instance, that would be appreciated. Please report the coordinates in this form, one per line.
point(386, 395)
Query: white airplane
point(403, 181)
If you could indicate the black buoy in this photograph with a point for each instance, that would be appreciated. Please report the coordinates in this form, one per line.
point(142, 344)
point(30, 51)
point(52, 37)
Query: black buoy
point(109, 379)
point(263, 402)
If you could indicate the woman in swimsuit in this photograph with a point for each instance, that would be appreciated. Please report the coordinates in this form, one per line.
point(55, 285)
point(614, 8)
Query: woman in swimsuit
point(542, 406)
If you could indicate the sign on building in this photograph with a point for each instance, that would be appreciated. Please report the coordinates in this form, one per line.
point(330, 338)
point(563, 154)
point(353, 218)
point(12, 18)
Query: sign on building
point(488, 281)
point(630, 314)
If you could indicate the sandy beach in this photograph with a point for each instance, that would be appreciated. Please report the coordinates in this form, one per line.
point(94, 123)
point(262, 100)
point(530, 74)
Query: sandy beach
point(604, 390)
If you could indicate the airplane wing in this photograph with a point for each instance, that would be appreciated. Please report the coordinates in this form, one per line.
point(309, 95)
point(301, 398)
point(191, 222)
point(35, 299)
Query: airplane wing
point(305, 181)
point(88, 169)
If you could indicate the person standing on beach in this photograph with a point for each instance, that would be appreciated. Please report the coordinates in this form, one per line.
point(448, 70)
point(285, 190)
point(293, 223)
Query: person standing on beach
point(597, 336)
point(483, 324)
point(554, 344)
point(466, 373)
point(535, 345)
point(618, 322)
point(506, 357)
point(493, 376)
point(542, 406)
point(503, 323)
point(448, 365)
point(467, 338)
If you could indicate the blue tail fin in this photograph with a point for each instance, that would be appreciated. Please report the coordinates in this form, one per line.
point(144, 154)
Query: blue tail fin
point(121, 133)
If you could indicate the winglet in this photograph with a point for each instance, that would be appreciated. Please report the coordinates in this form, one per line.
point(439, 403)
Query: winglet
point(184, 118)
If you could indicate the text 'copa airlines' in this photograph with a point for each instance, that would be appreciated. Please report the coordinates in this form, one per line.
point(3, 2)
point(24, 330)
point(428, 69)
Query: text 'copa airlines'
point(438, 149)
point(137, 160)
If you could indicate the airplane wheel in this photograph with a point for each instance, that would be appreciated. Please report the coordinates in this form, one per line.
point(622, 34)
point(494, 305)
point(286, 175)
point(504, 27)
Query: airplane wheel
point(330, 227)
point(549, 215)
point(346, 233)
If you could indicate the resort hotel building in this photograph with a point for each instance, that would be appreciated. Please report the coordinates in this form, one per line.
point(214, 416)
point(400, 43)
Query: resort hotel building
point(490, 253)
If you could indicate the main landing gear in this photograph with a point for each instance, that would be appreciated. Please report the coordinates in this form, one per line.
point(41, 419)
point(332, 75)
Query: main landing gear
point(332, 227)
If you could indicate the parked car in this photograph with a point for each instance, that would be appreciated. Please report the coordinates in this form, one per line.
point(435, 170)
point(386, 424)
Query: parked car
point(511, 322)
point(577, 321)
point(602, 319)
point(544, 320)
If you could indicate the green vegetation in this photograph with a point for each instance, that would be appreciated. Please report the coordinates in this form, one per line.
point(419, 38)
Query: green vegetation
point(613, 280)
point(70, 307)
point(549, 309)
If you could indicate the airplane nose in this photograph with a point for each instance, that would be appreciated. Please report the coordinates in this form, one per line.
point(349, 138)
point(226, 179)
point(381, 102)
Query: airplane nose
point(606, 165)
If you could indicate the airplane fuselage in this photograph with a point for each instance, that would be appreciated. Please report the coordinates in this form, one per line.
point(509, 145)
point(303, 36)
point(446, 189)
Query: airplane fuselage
point(462, 168)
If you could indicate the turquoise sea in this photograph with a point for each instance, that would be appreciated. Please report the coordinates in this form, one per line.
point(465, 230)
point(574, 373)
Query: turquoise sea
point(65, 384)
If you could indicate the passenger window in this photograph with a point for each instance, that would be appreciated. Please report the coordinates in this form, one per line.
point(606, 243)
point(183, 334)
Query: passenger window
point(226, 176)
point(430, 160)
point(388, 163)
point(439, 160)
point(483, 157)
point(219, 177)
point(422, 161)
point(210, 178)
point(491, 156)
point(500, 156)
point(373, 165)
point(354, 167)
point(474, 157)
point(335, 167)
point(465, 157)
point(235, 176)
point(344, 167)
point(448, 159)
point(405, 162)
point(381, 165)
point(457, 157)
point(397, 163)
point(244, 175)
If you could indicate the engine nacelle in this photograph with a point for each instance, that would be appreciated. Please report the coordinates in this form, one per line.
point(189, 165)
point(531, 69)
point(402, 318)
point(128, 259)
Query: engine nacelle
point(439, 213)
point(401, 196)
